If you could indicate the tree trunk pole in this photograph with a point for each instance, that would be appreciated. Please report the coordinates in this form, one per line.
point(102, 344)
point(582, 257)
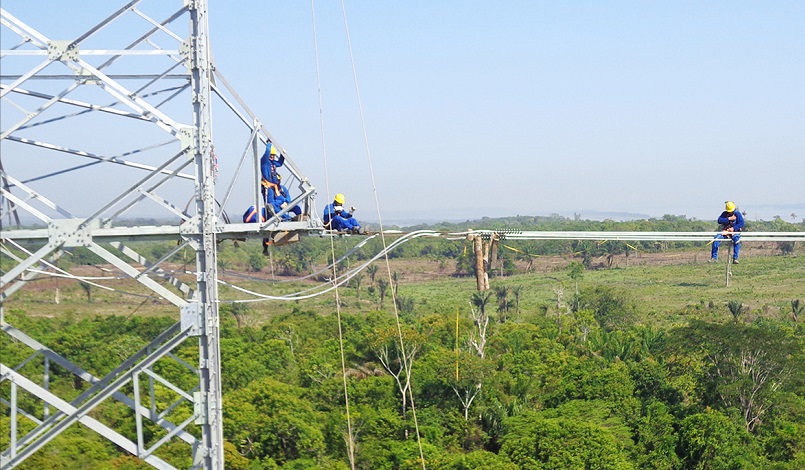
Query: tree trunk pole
point(729, 261)
point(480, 271)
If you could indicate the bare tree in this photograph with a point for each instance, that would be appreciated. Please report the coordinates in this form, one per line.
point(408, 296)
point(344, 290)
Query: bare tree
point(288, 336)
point(396, 352)
point(478, 337)
point(749, 379)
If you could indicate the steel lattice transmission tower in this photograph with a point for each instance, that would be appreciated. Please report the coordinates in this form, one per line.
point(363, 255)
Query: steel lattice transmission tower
point(110, 122)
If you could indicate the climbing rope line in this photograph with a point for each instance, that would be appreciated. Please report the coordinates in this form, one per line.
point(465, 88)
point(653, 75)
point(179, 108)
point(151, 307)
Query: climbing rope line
point(382, 237)
point(351, 439)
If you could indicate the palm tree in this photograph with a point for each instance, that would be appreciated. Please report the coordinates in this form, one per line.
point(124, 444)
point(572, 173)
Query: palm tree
point(736, 309)
point(357, 280)
point(395, 279)
point(502, 294)
point(372, 270)
point(480, 299)
point(610, 249)
point(576, 273)
point(382, 285)
point(797, 307)
point(517, 291)
point(626, 252)
point(527, 254)
point(582, 248)
point(241, 311)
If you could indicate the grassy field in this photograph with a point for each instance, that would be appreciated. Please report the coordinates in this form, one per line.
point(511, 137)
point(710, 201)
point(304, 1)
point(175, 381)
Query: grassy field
point(667, 290)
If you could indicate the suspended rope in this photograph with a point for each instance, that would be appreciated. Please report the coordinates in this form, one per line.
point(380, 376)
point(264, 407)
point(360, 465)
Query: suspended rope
point(351, 437)
point(380, 222)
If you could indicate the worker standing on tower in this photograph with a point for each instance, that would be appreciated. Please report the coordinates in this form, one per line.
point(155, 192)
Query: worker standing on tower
point(269, 162)
point(730, 224)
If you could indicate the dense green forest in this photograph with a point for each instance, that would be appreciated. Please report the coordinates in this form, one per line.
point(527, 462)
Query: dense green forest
point(586, 366)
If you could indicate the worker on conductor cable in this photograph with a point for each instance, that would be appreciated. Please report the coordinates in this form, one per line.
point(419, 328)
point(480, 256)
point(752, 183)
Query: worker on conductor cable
point(338, 219)
point(277, 202)
point(730, 224)
point(269, 162)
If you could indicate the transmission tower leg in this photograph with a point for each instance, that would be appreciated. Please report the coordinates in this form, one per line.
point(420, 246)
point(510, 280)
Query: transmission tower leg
point(211, 456)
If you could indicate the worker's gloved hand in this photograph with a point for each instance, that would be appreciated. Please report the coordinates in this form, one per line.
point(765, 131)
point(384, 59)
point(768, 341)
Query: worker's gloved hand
point(284, 205)
point(352, 209)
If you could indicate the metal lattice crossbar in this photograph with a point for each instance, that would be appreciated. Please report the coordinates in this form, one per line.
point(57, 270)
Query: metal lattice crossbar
point(111, 122)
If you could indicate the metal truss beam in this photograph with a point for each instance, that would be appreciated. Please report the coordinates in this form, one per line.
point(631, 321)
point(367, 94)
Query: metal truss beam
point(109, 99)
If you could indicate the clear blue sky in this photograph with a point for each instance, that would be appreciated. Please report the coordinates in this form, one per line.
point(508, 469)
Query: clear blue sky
point(481, 108)
point(532, 107)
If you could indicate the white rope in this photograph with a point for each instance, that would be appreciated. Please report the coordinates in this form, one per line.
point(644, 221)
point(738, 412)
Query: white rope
point(351, 440)
point(383, 238)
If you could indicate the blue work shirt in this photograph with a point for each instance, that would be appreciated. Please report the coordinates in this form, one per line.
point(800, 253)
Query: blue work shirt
point(341, 222)
point(725, 222)
point(284, 197)
point(268, 166)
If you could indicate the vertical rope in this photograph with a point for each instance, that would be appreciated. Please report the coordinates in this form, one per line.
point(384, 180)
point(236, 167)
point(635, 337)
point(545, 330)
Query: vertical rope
point(351, 439)
point(382, 236)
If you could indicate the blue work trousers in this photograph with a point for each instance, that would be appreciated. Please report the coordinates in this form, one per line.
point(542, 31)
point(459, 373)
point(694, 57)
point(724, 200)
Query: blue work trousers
point(736, 241)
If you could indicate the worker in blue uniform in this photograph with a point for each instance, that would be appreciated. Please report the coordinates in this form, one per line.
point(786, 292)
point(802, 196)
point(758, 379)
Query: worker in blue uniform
point(250, 216)
point(281, 200)
point(269, 162)
point(730, 224)
point(338, 219)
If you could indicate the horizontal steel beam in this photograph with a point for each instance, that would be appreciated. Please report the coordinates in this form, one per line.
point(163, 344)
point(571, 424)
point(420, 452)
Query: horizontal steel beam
point(165, 232)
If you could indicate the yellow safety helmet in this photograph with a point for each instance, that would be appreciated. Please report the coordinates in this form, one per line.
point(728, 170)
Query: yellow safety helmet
point(730, 207)
point(274, 150)
point(339, 198)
